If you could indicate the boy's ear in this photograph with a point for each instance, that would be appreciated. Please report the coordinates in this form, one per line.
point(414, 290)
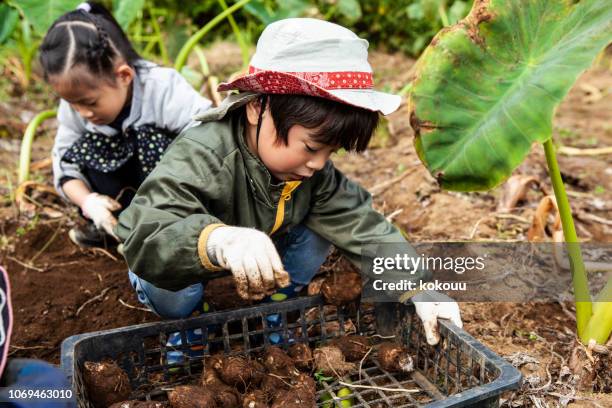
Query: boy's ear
point(125, 74)
point(252, 112)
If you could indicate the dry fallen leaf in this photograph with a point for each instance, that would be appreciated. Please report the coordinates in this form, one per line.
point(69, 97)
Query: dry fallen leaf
point(537, 231)
point(515, 189)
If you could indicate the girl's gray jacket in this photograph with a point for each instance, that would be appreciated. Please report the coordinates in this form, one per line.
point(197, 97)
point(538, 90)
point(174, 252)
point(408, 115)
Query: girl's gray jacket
point(160, 97)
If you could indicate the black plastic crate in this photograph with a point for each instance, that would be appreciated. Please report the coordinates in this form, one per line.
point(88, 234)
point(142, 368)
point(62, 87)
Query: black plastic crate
point(459, 372)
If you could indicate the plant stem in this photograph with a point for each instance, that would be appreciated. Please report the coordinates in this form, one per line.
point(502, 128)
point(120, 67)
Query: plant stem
point(181, 59)
point(203, 63)
point(26, 144)
point(443, 15)
point(160, 38)
point(244, 48)
point(579, 278)
point(600, 324)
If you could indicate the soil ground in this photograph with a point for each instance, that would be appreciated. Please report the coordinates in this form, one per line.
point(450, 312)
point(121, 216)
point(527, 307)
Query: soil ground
point(60, 290)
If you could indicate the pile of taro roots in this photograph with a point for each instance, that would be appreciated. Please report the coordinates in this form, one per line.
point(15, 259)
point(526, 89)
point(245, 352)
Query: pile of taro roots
point(275, 379)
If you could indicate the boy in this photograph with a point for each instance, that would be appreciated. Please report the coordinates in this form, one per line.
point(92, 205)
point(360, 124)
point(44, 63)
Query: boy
point(251, 189)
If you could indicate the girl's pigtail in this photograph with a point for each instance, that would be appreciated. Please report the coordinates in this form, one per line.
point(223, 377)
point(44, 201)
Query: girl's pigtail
point(101, 53)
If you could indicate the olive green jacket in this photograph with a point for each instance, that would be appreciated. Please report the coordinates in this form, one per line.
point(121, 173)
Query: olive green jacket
point(208, 176)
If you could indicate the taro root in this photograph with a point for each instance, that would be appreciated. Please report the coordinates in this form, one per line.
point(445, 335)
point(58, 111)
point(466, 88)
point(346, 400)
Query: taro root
point(225, 396)
point(258, 371)
point(210, 375)
point(295, 398)
point(236, 370)
point(278, 362)
point(341, 288)
point(192, 396)
point(255, 399)
point(301, 355)
point(394, 358)
point(272, 383)
point(302, 392)
point(139, 404)
point(305, 382)
point(330, 361)
point(314, 287)
point(354, 348)
point(106, 383)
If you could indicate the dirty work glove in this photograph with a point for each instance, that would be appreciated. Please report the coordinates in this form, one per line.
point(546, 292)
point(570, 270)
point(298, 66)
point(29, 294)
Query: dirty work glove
point(99, 208)
point(251, 257)
point(432, 305)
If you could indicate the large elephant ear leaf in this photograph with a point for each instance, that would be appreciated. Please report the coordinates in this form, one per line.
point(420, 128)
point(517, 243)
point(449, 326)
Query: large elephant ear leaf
point(486, 88)
point(42, 13)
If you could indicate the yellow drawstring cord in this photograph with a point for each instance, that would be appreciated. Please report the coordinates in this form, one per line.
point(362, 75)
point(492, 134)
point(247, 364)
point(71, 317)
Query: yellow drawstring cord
point(285, 196)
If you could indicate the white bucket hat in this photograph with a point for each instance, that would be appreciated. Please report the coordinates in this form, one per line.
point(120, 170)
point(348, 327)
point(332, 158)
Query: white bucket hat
point(306, 56)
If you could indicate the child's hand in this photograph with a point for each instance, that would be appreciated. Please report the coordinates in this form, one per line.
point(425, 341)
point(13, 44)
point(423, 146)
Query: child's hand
point(99, 208)
point(433, 305)
point(252, 258)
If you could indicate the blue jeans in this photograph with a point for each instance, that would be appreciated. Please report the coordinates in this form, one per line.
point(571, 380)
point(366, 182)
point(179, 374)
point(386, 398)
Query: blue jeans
point(28, 374)
point(302, 252)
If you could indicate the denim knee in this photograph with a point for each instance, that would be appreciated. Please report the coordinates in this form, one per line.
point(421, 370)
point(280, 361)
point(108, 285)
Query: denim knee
point(303, 252)
point(166, 303)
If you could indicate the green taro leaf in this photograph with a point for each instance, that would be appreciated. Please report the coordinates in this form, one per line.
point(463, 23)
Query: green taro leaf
point(42, 13)
point(8, 21)
point(350, 9)
point(284, 9)
point(125, 11)
point(486, 88)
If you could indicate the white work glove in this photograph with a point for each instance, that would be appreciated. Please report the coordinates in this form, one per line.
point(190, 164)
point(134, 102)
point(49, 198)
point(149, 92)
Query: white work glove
point(99, 208)
point(432, 305)
point(251, 257)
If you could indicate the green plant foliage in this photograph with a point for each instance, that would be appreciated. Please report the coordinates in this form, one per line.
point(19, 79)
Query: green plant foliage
point(404, 25)
point(487, 88)
point(351, 9)
point(42, 13)
point(269, 11)
point(126, 11)
point(8, 21)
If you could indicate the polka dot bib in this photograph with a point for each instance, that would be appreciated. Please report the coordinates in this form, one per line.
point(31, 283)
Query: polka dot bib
point(104, 153)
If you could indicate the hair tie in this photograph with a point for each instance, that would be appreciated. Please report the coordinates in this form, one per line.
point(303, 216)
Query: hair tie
point(86, 7)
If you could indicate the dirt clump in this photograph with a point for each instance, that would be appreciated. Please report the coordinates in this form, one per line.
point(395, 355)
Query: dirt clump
point(192, 396)
point(341, 288)
point(331, 362)
point(354, 348)
point(591, 372)
point(394, 358)
point(106, 383)
point(301, 355)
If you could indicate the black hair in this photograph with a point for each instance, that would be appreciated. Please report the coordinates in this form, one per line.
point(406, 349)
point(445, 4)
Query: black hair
point(92, 39)
point(333, 123)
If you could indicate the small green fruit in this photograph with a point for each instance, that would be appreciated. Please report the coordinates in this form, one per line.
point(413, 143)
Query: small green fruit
point(343, 392)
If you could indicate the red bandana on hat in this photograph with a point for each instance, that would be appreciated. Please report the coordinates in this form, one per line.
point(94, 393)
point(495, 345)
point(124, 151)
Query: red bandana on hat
point(306, 56)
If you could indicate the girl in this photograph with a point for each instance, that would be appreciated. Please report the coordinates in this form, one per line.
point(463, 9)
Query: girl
point(117, 115)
